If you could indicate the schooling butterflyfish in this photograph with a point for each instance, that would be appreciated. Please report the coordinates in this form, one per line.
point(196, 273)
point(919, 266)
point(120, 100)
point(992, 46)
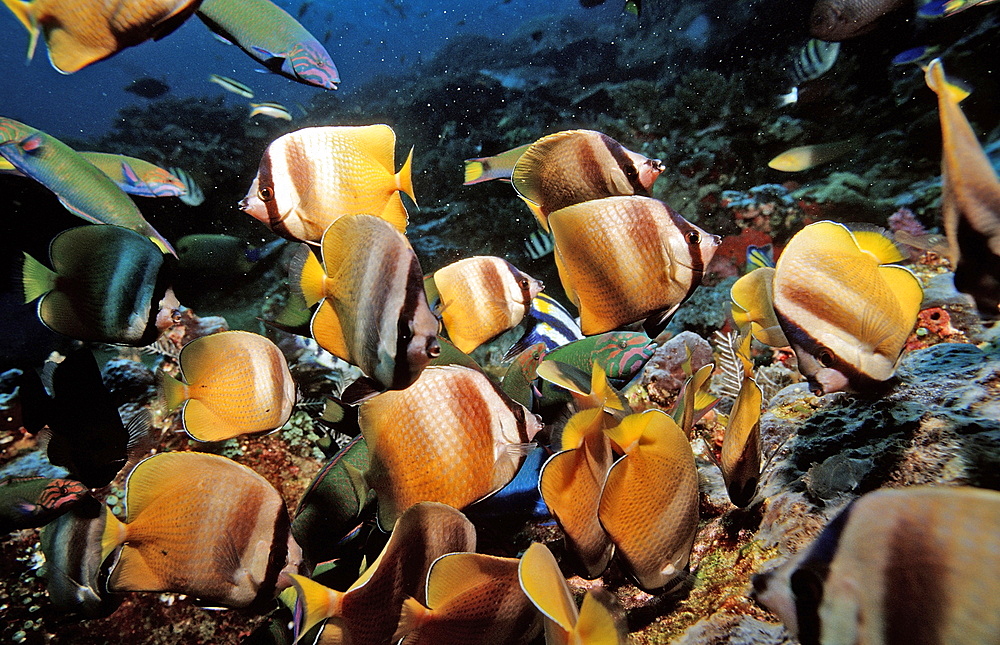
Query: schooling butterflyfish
point(836, 20)
point(845, 311)
point(907, 565)
point(499, 166)
point(626, 259)
point(595, 623)
point(482, 297)
point(267, 33)
point(575, 166)
point(649, 503)
point(310, 177)
point(369, 611)
point(80, 185)
point(471, 598)
point(234, 382)
point(373, 312)
point(105, 286)
point(740, 457)
point(29, 502)
point(205, 526)
point(454, 418)
point(970, 200)
point(80, 32)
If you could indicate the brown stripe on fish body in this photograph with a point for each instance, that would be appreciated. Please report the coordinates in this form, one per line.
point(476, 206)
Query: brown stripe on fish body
point(914, 602)
point(239, 530)
point(277, 556)
point(265, 179)
point(413, 288)
point(625, 164)
point(518, 411)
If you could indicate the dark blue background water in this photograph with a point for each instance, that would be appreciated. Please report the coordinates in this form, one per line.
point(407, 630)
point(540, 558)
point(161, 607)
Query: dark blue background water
point(365, 39)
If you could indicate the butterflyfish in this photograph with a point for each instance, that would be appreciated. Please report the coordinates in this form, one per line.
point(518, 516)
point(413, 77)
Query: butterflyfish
point(231, 85)
point(85, 433)
point(843, 308)
point(740, 457)
point(753, 307)
point(836, 20)
point(270, 35)
point(970, 200)
point(234, 382)
point(310, 177)
point(575, 166)
point(105, 286)
point(205, 526)
point(548, 323)
point(649, 503)
point(571, 482)
point(28, 502)
point(73, 558)
point(453, 418)
point(80, 33)
point(907, 565)
point(499, 166)
point(481, 297)
point(594, 623)
point(471, 598)
point(626, 259)
point(392, 337)
point(80, 186)
point(802, 158)
point(273, 110)
point(369, 611)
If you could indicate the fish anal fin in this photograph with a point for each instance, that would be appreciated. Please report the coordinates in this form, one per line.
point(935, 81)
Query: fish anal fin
point(205, 424)
point(328, 332)
point(133, 573)
point(597, 623)
point(395, 213)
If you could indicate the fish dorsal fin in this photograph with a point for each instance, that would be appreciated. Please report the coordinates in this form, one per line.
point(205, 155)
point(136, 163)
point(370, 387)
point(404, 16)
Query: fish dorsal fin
point(753, 307)
point(169, 475)
point(395, 213)
point(582, 425)
point(935, 78)
point(543, 583)
point(876, 242)
point(377, 142)
point(597, 623)
point(328, 332)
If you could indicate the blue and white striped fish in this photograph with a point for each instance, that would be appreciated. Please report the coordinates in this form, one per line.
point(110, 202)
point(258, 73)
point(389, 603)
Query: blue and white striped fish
point(549, 323)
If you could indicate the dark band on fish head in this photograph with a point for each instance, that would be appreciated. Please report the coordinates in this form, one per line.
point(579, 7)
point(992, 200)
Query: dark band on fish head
point(523, 283)
point(403, 372)
point(265, 193)
point(693, 237)
point(276, 559)
point(625, 164)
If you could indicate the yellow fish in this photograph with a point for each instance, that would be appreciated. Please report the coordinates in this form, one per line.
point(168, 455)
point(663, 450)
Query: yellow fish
point(575, 166)
point(805, 157)
point(908, 565)
point(236, 383)
point(626, 259)
point(482, 297)
point(499, 166)
point(81, 32)
point(310, 177)
point(205, 526)
point(970, 200)
point(392, 337)
point(595, 623)
point(471, 598)
point(369, 611)
point(844, 310)
point(649, 505)
point(451, 437)
point(740, 460)
point(753, 308)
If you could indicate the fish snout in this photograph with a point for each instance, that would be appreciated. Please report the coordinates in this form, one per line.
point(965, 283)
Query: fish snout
point(433, 347)
point(715, 240)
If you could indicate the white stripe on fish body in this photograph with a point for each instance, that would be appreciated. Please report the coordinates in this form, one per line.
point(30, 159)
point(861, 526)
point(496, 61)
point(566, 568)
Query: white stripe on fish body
point(538, 245)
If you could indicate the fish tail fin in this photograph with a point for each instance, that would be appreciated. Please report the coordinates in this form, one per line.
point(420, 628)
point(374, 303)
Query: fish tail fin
point(174, 393)
point(474, 170)
point(307, 275)
point(404, 178)
point(38, 279)
point(22, 11)
point(937, 81)
point(314, 603)
point(113, 535)
point(412, 616)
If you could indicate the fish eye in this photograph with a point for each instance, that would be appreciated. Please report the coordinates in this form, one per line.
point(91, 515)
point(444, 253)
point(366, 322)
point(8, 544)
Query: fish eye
point(524, 284)
point(631, 172)
point(265, 193)
point(825, 357)
point(693, 237)
point(433, 349)
point(175, 316)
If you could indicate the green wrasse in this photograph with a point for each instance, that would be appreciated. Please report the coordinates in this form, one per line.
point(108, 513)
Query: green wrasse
point(27, 502)
point(499, 166)
point(134, 176)
point(80, 186)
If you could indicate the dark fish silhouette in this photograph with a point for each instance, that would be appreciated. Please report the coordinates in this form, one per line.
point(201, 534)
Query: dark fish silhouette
point(147, 88)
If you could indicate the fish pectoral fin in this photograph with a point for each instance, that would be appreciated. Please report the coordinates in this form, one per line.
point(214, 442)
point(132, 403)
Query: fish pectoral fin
point(328, 332)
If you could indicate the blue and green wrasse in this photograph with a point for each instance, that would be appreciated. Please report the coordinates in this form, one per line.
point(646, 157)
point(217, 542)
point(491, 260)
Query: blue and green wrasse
point(28, 502)
point(270, 35)
point(80, 185)
point(622, 354)
point(134, 176)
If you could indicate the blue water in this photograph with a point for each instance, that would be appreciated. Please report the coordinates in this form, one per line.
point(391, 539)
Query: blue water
point(365, 39)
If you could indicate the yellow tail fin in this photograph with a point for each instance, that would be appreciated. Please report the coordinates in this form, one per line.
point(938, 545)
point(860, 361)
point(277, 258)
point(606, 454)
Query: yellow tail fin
point(316, 601)
point(113, 535)
point(38, 279)
point(404, 178)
